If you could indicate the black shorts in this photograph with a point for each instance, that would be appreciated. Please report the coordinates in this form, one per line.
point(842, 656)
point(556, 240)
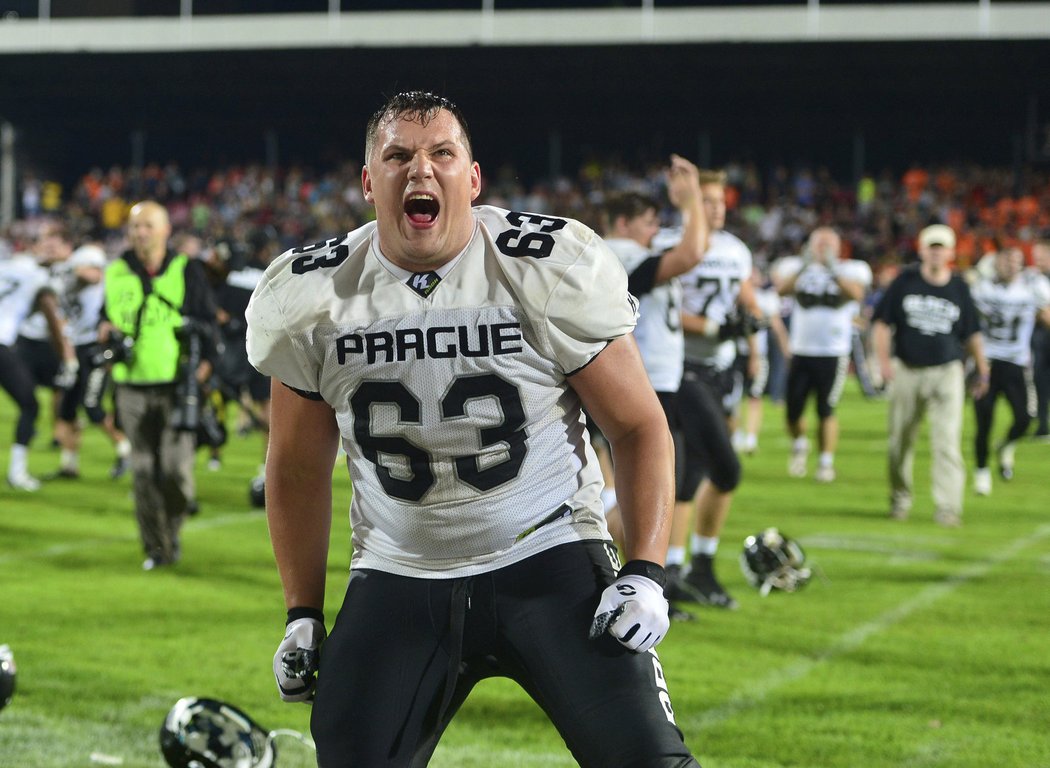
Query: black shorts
point(669, 401)
point(824, 376)
point(709, 447)
point(74, 397)
point(405, 652)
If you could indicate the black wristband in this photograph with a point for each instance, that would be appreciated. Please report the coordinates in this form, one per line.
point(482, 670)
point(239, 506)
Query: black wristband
point(294, 614)
point(645, 568)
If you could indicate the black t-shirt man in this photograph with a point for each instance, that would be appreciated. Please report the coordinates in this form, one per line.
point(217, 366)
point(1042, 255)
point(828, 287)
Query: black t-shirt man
point(932, 322)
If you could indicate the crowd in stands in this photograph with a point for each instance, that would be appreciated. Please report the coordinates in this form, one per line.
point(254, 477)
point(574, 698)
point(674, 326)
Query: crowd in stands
point(772, 211)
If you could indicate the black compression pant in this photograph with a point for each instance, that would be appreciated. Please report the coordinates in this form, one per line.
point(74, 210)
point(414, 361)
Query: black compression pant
point(405, 652)
point(17, 381)
point(1015, 384)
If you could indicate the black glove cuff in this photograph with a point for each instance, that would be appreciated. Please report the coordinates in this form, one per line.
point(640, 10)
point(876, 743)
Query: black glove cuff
point(294, 614)
point(645, 568)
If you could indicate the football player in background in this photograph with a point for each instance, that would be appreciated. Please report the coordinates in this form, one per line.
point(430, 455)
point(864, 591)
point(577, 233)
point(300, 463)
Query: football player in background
point(827, 293)
point(771, 329)
point(52, 249)
point(1009, 303)
point(631, 224)
point(451, 349)
point(238, 381)
point(1041, 350)
point(82, 302)
point(717, 297)
point(24, 289)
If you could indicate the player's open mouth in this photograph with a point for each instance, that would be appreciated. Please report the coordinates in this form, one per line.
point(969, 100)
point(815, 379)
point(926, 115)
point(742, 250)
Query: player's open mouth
point(422, 209)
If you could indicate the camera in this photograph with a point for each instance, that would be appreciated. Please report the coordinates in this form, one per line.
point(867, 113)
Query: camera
point(189, 414)
point(119, 348)
point(186, 416)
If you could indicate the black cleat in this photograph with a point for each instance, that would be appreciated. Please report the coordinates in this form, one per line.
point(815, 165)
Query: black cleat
point(677, 614)
point(676, 589)
point(701, 581)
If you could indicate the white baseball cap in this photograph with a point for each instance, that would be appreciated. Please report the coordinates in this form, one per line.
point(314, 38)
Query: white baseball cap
point(937, 234)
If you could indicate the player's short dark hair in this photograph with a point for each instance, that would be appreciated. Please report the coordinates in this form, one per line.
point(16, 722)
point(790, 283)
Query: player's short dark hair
point(712, 176)
point(418, 106)
point(630, 205)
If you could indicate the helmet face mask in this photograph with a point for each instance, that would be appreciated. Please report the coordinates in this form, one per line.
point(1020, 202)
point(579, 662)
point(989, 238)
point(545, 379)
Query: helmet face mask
point(205, 733)
point(770, 560)
point(7, 675)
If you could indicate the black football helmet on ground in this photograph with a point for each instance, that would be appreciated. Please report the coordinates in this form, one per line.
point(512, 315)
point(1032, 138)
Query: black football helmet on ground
point(7, 675)
point(205, 733)
point(770, 560)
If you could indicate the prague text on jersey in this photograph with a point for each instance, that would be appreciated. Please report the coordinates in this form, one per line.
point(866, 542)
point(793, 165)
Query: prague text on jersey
point(438, 342)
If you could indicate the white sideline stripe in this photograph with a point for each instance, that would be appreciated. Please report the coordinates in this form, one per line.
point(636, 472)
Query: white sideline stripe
point(755, 693)
point(55, 550)
point(894, 549)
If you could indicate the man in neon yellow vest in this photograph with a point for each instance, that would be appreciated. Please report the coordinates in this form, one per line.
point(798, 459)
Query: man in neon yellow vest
point(150, 291)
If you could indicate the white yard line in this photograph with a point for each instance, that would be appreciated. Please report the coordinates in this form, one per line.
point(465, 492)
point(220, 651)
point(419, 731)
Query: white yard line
point(754, 693)
point(64, 548)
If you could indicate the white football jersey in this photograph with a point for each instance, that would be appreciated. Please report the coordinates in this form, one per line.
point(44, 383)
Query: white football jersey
point(465, 443)
point(659, 330)
point(1008, 313)
point(821, 324)
point(21, 279)
point(711, 289)
point(35, 325)
point(82, 308)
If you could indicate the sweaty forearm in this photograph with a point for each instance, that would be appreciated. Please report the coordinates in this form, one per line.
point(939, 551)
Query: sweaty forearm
point(304, 438)
point(299, 517)
point(644, 462)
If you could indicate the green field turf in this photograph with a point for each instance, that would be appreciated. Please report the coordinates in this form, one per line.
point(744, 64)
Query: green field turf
point(915, 645)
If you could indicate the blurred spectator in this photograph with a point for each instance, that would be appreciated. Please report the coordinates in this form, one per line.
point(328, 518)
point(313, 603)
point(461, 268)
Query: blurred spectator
point(772, 209)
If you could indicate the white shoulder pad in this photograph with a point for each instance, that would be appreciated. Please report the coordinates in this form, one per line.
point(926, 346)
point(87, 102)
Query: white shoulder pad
point(1040, 287)
point(296, 293)
point(738, 248)
point(856, 270)
point(631, 254)
point(786, 267)
point(571, 286)
point(666, 239)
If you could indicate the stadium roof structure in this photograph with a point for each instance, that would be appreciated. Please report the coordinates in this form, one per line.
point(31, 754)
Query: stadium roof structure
point(848, 85)
point(486, 25)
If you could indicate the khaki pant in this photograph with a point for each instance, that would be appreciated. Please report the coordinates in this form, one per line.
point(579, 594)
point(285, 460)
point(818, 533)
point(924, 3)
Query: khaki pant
point(937, 391)
point(162, 467)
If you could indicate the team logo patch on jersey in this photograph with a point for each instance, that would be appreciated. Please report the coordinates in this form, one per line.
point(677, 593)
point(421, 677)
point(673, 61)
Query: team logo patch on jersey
point(423, 283)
